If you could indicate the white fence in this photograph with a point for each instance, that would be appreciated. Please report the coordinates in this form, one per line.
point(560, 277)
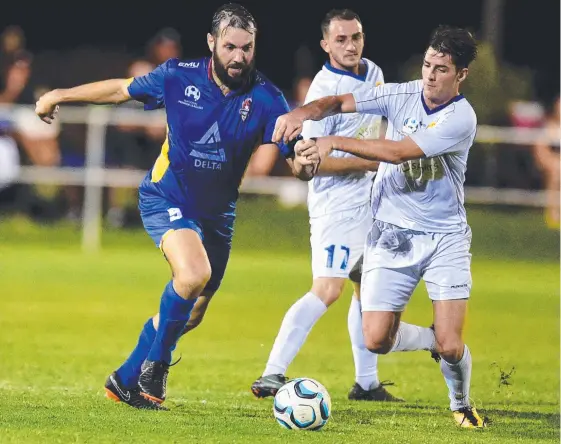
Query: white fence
point(290, 191)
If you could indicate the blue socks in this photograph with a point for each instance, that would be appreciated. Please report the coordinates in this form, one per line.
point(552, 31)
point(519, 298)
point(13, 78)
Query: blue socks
point(130, 370)
point(174, 314)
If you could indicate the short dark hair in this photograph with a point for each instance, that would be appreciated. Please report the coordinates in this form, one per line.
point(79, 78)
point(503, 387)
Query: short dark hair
point(338, 14)
point(457, 42)
point(236, 16)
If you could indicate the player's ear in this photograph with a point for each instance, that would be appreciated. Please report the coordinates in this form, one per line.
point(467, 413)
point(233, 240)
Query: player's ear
point(210, 41)
point(324, 45)
point(462, 74)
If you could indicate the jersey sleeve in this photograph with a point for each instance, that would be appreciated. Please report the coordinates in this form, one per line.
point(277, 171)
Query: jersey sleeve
point(375, 100)
point(149, 89)
point(447, 135)
point(278, 107)
point(317, 128)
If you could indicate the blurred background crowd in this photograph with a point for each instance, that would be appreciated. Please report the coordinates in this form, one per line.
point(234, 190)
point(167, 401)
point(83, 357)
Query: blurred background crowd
point(504, 93)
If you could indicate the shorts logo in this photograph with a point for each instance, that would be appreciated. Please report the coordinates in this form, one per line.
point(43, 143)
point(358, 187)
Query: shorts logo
point(174, 214)
point(244, 110)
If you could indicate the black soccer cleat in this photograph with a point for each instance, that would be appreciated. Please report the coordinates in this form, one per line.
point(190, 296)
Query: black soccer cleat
point(153, 380)
point(379, 393)
point(115, 391)
point(268, 385)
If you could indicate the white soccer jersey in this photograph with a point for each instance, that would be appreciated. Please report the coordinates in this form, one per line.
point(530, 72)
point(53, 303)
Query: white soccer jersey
point(425, 194)
point(327, 194)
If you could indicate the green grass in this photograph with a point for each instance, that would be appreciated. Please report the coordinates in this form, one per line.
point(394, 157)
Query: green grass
point(68, 319)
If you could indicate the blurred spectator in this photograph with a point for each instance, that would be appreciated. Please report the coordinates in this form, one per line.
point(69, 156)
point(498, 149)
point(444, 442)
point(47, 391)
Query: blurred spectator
point(166, 44)
point(12, 41)
point(547, 159)
point(9, 162)
point(131, 147)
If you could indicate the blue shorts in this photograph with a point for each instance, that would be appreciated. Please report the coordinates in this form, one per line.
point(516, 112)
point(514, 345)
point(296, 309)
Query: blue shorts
point(161, 217)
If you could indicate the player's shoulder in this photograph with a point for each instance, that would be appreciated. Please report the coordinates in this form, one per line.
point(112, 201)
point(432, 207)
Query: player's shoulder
point(373, 70)
point(464, 111)
point(187, 67)
point(324, 83)
point(265, 87)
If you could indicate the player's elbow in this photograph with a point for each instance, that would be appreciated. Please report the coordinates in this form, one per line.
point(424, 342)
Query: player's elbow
point(395, 156)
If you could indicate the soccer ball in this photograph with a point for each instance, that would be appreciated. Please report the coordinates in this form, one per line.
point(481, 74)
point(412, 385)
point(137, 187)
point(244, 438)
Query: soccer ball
point(302, 404)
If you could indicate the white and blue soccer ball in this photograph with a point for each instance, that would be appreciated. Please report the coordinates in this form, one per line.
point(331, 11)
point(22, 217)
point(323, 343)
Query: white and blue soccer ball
point(302, 404)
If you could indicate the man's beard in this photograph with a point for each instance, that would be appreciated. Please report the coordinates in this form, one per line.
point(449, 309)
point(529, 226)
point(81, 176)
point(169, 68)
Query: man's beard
point(233, 83)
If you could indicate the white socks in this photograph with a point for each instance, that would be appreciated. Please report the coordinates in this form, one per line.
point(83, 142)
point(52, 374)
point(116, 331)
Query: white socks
point(457, 377)
point(412, 337)
point(366, 362)
point(296, 325)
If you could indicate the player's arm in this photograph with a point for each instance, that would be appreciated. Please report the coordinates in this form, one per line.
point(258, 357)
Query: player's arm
point(379, 150)
point(334, 166)
point(148, 89)
point(112, 91)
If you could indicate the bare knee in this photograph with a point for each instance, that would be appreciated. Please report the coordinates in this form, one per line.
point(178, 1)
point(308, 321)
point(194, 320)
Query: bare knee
point(328, 289)
point(451, 349)
point(378, 344)
point(379, 330)
point(189, 280)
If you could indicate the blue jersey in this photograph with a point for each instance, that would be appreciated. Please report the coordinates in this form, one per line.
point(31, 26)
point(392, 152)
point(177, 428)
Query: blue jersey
point(210, 137)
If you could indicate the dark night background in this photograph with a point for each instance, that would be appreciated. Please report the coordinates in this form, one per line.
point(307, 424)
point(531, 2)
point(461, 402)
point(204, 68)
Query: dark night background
point(395, 30)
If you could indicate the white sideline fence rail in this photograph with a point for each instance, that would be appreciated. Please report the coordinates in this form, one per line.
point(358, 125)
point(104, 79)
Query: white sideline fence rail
point(93, 177)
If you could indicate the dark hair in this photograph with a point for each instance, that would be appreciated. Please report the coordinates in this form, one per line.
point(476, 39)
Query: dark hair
point(457, 42)
point(337, 14)
point(236, 16)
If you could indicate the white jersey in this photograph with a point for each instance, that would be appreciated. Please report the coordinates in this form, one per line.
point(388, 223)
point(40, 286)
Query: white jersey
point(425, 194)
point(328, 194)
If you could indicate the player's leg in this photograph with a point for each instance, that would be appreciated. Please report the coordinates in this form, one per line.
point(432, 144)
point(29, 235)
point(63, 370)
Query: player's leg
point(390, 272)
point(448, 281)
point(367, 386)
point(337, 241)
point(216, 245)
point(191, 271)
point(295, 328)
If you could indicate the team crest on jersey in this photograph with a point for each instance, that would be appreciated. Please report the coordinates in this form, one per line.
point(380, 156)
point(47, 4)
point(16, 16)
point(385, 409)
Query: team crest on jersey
point(411, 125)
point(244, 110)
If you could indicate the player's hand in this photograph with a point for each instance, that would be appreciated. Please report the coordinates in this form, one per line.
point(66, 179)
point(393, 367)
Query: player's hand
point(325, 146)
point(306, 152)
point(47, 107)
point(288, 127)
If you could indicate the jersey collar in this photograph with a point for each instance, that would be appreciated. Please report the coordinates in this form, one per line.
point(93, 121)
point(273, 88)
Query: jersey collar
point(342, 72)
point(439, 107)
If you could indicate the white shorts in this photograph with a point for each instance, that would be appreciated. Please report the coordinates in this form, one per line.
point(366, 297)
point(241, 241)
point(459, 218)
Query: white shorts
point(337, 241)
point(395, 260)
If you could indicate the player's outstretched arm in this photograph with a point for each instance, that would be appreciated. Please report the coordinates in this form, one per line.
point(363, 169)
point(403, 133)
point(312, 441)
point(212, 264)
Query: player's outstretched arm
point(389, 151)
point(110, 91)
point(289, 125)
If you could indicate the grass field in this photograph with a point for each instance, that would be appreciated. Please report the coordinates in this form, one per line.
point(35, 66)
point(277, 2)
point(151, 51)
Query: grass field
point(68, 319)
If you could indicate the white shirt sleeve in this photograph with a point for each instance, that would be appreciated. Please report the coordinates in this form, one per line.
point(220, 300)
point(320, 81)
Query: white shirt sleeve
point(448, 135)
point(370, 100)
point(317, 128)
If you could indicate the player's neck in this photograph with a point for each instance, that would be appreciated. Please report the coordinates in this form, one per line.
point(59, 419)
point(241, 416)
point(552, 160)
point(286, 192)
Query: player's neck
point(357, 70)
point(223, 88)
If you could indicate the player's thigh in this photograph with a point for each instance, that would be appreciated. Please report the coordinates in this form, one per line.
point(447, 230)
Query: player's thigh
point(391, 268)
point(447, 272)
point(337, 241)
point(328, 289)
point(217, 243)
point(179, 238)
